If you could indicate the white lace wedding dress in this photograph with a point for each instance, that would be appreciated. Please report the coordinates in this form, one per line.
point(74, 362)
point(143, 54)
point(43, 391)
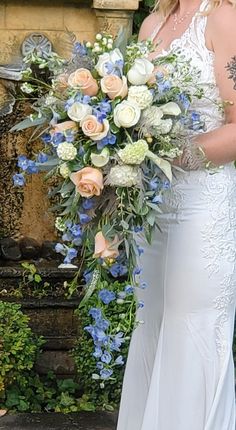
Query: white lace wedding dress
point(180, 372)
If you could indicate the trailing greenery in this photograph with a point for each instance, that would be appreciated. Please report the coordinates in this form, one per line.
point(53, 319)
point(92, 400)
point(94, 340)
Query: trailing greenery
point(144, 9)
point(19, 347)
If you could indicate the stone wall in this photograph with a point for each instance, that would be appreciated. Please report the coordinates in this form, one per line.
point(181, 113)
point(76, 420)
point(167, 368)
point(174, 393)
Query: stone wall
point(25, 213)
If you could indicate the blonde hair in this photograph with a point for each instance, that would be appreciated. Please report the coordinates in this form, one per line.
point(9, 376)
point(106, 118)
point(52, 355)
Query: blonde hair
point(165, 7)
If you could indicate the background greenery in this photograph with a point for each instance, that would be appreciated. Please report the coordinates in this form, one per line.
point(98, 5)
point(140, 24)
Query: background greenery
point(144, 9)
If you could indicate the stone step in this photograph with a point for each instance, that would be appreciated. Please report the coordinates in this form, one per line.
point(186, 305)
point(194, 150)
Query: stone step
point(57, 421)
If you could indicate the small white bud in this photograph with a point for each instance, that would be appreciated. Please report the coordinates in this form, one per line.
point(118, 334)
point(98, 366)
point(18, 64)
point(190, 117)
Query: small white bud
point(110, 41)
point(109, 46)
point(88, 45)
point(104, 41)
point(98, 36)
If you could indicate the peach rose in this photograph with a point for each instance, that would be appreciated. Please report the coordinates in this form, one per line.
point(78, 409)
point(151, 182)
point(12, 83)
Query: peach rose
point(83, 79)
point(65, 126)
point(104, 248)
point(88, 182)
point(93, 128)
point(61, 82)
point(114, 86)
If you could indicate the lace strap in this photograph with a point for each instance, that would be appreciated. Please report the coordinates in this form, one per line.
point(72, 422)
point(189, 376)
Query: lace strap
point(156, 30)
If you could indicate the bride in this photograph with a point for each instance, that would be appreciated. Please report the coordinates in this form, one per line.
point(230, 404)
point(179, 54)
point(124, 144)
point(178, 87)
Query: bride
point(180, 373)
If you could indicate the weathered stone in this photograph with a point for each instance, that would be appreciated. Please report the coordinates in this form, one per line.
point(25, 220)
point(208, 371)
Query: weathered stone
point(48, 250)
point(29, 247)
point(53, 421)
point(10, 249)
point(60, 362)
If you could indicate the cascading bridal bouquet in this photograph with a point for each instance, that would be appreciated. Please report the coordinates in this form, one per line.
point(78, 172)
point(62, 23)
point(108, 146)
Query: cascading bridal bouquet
point(110, 121)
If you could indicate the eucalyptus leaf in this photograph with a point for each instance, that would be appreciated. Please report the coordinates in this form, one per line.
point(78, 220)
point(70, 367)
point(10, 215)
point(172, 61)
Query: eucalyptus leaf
point(27, 123)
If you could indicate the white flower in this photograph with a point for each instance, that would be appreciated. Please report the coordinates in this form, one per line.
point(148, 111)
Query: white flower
point(140, 72)
point(98, 36)
point(60, 224)
point(171, 153)
point(100, 160)
point(152, 116)
point(134, 153)
point(165, 126)
point(78, 111)
point(107, 57)
point(27, 88)
point(126, 114)
point(123, 176)
point(140, 95)
point(66, 151)
point(64, 170)
point(171, 108)
point(50, 100)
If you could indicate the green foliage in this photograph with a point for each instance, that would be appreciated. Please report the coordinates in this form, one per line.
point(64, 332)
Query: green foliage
point(144, 9)
point(18, 345)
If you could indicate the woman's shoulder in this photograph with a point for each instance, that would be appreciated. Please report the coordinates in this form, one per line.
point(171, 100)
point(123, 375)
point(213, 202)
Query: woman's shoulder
point(221, 24)
point(148, 26)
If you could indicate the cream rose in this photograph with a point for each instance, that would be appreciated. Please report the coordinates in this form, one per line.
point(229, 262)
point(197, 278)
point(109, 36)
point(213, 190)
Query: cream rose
point(140, 72)
point(114, 86)
point(111, 57)
point(100, 160)
point(83, 79)
point(93, 128)
point(79, 111)
point(88, 182)
point(140, 95)
point(105, 248)
point(126, 114)
point(171, 108)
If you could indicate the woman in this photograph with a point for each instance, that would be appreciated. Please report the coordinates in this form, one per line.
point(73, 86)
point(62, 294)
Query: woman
point(180, 373)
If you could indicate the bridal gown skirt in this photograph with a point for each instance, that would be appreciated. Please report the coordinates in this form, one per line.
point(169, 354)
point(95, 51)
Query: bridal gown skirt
point(180, 371)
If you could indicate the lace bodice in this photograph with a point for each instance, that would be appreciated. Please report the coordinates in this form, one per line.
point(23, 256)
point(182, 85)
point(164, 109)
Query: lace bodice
point(192, 45)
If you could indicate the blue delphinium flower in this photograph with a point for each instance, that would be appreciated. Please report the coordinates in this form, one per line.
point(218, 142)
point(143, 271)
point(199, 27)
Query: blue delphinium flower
point(58, 138)
point(95, 313)
point(138, 229)
point(143, 285)
point(32, 167)
point(23, 162)
point(97, 352)
point(106, 373)
point(164, 86)
point(100, 365)
point(87, 275)
point(140, 304)
point(42, 157)
point(76, 230)
point(110, 139)
point(102, 323)
point(19, 180)
point(120, 360)
point(71, 254)
point(106, 296)
point(137, 270)
point(117, 341)
point(140, 250)
point(80, 49)
point(60, 248)
point(84, 218)
point(129, 289)
point(87, 204)
point(184, 100)
point(106, 357)
point(118, 270)
point(46, 138)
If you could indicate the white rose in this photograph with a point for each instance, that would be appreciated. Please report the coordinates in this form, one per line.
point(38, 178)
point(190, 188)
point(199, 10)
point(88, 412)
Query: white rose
point(64, 170)
point(66, 151)
point(78, 111)
point(107, 57)
point(140, 72)
point(171, 108)
point(140, 95)
point(100, 160)
point(126, 114)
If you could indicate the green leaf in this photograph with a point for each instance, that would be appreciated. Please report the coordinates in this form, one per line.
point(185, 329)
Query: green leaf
point(27, 123)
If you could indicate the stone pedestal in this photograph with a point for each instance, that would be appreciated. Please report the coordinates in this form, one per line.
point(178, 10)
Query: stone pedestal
point(112, 15)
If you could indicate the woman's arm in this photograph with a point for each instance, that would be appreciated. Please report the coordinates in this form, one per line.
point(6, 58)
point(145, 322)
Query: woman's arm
point(220, 145)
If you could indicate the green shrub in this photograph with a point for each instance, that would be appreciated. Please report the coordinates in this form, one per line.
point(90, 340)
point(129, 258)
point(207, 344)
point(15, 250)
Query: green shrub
point(18, 345)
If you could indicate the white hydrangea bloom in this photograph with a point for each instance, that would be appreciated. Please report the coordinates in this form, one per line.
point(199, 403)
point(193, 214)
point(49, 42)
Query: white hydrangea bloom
point(134, 153)
point(66, 151)
point(123, 176)
point(141, 95)
point(64, 170)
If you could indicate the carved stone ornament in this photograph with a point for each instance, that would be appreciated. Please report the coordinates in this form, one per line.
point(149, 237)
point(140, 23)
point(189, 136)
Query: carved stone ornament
point(36, 43)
